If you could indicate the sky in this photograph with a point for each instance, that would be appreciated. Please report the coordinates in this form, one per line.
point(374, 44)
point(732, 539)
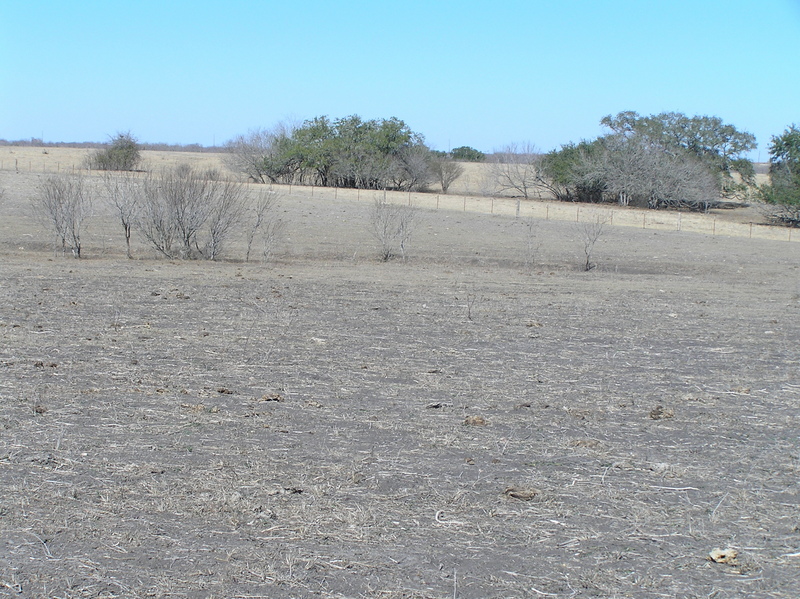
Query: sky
point(473, 73)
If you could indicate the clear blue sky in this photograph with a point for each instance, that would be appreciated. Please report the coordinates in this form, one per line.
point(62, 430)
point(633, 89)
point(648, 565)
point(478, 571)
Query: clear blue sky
point(468, 72)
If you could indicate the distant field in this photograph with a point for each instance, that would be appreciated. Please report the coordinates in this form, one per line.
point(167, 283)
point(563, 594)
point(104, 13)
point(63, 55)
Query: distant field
point(32, 159)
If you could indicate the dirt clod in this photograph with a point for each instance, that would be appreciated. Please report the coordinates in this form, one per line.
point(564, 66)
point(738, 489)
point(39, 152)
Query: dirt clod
point(521, 493)
point(723, 556)
point(660, 412)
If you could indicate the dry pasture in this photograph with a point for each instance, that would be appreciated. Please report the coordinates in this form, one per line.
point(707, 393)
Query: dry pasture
point(483, 420)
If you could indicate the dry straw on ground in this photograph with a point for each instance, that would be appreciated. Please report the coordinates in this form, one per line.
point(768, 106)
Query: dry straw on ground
point(297, 428)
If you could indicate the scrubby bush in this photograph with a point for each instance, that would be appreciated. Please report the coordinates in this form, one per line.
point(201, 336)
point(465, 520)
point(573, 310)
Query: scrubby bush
point(186, 214)
point(392, 226)
point(122, 154)
point(64, 203)
point(445, 170)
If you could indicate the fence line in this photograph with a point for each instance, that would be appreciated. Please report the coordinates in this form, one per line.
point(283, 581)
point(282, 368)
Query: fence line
point(554, 211)
point(501, 206)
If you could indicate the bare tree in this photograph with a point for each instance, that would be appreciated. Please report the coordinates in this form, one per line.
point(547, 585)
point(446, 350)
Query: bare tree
point(590, 233)
point(227, 209)
point(518, 169)
point(412, 168)
point(262, 154)
point(64, 203)
point(261, 219)
point(532, 244)
point(124, 193)
point(181, 204)
point(155, 219)
point(446, 170)
point(392, 226)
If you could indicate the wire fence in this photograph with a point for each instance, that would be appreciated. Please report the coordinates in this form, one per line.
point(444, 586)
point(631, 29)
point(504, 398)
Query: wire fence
point(503, 206)
point(707, 224)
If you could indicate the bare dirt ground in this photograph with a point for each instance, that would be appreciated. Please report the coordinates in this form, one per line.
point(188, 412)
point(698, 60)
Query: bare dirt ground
point(479, 421)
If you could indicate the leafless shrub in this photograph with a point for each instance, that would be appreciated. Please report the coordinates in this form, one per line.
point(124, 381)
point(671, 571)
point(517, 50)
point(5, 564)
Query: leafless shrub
point(590, 233)
point(262, 154)
point(392, 226)
point(186, 215)
point(124, 192)
point(446, 170)
point(412, 168)
point(517, 169)
point(531, 241)
point(262, 221)
point(227, 209)
point(64, 203)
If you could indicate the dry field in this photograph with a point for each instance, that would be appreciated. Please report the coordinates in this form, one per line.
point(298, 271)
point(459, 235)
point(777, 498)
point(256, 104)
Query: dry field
point(482, 420)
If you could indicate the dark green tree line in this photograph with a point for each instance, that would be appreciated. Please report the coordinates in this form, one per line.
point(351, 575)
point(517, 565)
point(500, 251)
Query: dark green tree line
point(346, 152)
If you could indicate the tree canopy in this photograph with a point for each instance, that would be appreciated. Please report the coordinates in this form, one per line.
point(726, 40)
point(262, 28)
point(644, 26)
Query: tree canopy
point(658, 161)
point(344, 152)
point(719, 145)
point(783, 193)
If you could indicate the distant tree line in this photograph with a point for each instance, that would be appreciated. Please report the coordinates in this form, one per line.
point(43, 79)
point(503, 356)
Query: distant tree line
point(667, 160)
point(36, 142)
point(345, 152)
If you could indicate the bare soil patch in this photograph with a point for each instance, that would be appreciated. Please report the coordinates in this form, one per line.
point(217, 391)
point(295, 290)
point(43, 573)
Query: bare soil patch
point(475, 422)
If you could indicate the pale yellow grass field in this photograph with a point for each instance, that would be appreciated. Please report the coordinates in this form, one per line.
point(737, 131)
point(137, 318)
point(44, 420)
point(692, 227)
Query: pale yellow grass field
point(471, 192)
point(52, 160)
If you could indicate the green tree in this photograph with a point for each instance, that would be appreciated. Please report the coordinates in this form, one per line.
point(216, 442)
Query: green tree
point(719, 145)
point(346, 152)
point(782, 194)
point(122, 154)
point(467, 154)
point(571, 173)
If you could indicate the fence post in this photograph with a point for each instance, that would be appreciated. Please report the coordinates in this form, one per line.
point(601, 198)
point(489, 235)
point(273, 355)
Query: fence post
point(437, 201)
point(465, 203)
point(714, 227)
point(680, 221)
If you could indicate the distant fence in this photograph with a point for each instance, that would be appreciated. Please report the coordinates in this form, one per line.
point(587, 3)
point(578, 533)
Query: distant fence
point(41, 166)
point(504, 206)
point(556, 211)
